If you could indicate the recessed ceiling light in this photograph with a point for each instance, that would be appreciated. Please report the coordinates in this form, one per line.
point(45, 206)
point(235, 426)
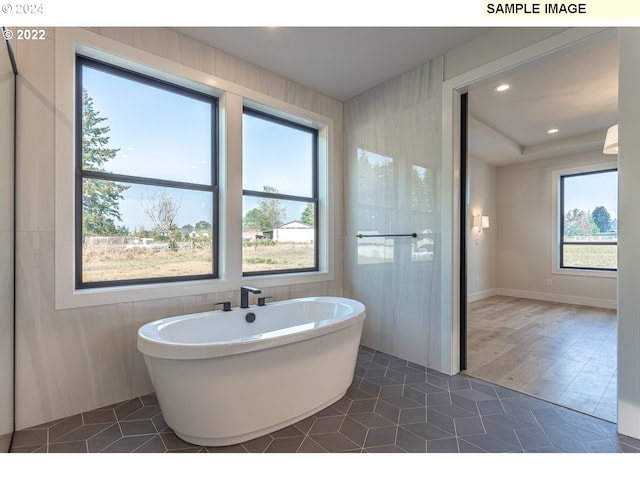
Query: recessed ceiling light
point(553, 130)
point(503, 88)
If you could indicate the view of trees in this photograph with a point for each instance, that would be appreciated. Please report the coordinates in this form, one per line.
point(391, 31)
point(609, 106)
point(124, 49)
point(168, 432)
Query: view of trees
point(602, 219)
point(308, 214)
point(269, 214)
point(162, 210)
point(577, 222)
point(100, 198)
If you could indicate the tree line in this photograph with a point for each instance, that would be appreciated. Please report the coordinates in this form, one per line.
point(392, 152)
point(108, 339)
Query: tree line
point(270, 214)
point(577, 222)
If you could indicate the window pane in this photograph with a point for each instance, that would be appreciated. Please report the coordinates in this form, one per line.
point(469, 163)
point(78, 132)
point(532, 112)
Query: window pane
point(277, 156)
point(589, 222)
point(590, 206)
point(590, 256)
point(157, 133)
point(150, 232)
point(277, 235)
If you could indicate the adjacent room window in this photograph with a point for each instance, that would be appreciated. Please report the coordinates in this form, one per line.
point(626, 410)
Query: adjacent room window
point(589, 220)
point(146, 179)
point(280, 195)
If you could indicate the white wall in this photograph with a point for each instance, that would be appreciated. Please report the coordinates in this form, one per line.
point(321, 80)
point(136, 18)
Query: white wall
point(76, 359)
point(526, 241)
point(6, 242)
point(481, 246)
point(629, 235)
point(399, 120)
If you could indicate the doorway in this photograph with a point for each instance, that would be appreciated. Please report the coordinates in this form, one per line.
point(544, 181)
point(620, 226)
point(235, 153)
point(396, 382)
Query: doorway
point(532, 309)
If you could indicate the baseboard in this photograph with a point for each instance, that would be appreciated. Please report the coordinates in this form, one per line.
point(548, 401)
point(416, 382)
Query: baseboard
point(557, 298)
point(474, 297)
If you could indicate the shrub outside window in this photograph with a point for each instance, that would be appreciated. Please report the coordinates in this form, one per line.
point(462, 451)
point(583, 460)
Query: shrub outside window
point(589, 225)
point(146, 179)
point(280, 195)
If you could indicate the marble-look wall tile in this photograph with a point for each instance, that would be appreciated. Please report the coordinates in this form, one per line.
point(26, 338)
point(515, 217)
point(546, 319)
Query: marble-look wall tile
point(6, 334)
point(35, 135)
point(162, 42)
point(393, 164)
point(7, 84)
point(67, 361)
point(120, 34)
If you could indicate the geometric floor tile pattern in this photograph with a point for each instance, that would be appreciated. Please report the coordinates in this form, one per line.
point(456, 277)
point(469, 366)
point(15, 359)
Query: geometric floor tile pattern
point(392, 406)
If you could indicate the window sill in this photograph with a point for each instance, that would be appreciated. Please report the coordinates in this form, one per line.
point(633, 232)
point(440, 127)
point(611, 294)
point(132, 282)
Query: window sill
point(585, 272)
point(76, 298)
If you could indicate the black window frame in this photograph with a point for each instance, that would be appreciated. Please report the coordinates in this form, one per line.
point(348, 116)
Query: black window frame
point(314, 199)
point(81, 174)
point(562, 242)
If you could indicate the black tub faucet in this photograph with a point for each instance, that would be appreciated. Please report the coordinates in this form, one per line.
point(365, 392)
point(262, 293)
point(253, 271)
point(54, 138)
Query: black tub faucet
point(244, 295)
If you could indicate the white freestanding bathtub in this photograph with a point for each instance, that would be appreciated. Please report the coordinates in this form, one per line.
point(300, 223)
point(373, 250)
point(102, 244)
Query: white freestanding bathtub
point(221, 379)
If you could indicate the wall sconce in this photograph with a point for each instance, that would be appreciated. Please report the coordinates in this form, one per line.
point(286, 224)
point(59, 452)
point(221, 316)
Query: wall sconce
point(480, 222)
point(611, 141)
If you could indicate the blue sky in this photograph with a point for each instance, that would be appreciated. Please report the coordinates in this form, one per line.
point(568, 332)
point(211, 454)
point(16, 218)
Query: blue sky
point(159, 134)
point(163, 135)
point(586, 192)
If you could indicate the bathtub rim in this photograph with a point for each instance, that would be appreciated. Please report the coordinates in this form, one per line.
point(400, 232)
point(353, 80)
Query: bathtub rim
point(163, 349)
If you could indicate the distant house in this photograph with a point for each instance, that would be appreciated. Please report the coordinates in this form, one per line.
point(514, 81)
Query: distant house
point(294, 232)
point(252, 235)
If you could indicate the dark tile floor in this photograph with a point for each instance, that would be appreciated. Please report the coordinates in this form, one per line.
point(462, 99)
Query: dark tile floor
point(392, 406)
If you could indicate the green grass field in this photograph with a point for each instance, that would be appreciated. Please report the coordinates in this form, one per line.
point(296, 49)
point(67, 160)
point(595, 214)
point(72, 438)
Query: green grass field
point(599, 256)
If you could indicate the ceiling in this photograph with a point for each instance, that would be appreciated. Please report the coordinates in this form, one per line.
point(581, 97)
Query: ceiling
point(576, 93)
point(340, 62)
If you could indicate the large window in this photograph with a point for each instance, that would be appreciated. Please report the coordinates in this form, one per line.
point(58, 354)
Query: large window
point(280, 195)
point(589, 225)
point(146, 179)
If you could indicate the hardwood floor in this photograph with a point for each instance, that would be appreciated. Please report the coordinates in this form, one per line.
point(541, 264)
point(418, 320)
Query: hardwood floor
point(566, 354)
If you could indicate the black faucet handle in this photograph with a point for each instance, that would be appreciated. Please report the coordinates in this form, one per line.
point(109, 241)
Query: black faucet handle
point(226, 306)
point(262, 301)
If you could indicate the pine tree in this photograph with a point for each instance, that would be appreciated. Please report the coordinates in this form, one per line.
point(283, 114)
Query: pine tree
point(602, 218)
point(100, 198)
point(308, 215)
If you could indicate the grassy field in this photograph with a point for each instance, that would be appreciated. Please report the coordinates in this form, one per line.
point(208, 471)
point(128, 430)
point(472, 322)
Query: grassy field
point(257, 256)
point(118, 262)
point(602, 256)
